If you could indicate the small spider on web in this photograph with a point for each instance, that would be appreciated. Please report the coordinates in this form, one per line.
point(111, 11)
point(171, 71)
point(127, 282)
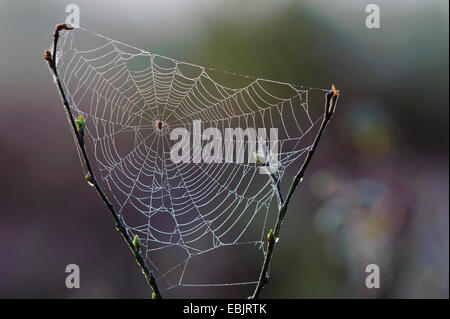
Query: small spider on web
point(161, 127)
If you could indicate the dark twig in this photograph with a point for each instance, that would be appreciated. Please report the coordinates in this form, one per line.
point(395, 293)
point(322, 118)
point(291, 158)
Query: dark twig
point(120, 226)
point(272, 238)
point(276, 184)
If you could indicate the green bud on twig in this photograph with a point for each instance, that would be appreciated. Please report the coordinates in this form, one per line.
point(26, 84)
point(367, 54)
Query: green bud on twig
point(89, 179)
point(270, 236)
point(136, 242)
point(81, 125)
point(154, 296)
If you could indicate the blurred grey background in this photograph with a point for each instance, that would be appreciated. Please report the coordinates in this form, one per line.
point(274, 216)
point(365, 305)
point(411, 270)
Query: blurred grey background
point(376, 192)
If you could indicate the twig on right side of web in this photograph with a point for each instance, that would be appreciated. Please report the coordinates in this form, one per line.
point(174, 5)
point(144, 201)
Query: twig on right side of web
point(78, 129)
point(272, 238)
point(276, 184)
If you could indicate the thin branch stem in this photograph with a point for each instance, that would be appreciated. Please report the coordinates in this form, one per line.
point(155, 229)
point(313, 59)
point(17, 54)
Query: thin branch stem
point(120, 226)
point(276, 184)
point(330, 105)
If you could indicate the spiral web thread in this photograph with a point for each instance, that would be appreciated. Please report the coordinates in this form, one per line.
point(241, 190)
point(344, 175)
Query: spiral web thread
point(131, 100)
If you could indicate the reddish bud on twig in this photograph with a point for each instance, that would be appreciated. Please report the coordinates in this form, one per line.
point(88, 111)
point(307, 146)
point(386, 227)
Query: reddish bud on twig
point(48, 57)
point(331, 98)
point(335, 93)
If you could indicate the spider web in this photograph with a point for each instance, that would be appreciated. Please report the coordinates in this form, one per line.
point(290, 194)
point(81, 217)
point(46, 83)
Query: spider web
point(193, 219)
